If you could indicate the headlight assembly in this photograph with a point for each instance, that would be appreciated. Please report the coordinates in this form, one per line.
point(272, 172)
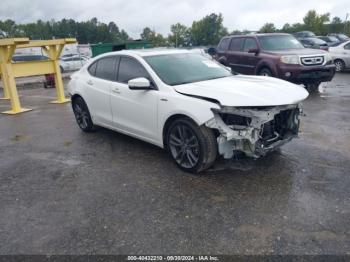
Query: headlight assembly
point(290, 59)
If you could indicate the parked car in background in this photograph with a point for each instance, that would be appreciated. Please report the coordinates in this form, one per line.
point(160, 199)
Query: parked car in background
point(72, 63)
point(341, 37)
point(314, 42)
point(330, 40)
point(27, 58)
point(187, 103)
point(304, 34)
point(278, 55)
point(341, 56)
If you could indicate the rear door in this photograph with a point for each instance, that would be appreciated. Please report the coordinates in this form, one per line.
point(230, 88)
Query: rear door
point(234, 54)
point(98, 89)
point(347, 55)
point(248, 60)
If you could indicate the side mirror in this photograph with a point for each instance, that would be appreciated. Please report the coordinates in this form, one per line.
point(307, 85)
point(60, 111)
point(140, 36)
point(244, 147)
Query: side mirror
point(212, 51)
point(140, 83)
point(253, 51)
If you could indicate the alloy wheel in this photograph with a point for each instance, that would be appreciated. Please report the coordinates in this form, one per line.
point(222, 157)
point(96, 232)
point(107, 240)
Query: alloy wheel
point(184, 146)
point(338, 66)
point(81, 115)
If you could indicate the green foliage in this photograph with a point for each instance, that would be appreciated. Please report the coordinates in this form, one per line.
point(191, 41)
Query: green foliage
point(314, 22)
point(208, 31)
point(91, 31)
point(152, 37)
point(180, 35)
point(268, 28)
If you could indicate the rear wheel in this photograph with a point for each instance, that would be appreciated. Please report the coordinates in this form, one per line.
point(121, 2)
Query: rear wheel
point(339, 65)
point(82, 114)
point(192, 147)
point(265, 72)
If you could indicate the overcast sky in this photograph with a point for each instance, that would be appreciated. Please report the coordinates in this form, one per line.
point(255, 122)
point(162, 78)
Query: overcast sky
point(134, 15)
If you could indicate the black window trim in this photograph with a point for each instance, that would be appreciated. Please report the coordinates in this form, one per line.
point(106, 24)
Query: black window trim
point(153, 83)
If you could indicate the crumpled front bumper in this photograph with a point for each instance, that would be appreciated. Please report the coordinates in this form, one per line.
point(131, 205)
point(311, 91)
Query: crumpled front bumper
point(266, 129)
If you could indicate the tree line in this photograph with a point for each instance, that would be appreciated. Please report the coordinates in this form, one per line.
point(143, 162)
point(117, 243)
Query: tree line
point(320, 24)
point(204, 32)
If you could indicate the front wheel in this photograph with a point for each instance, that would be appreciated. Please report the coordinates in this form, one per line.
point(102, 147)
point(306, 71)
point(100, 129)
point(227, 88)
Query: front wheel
point(312, 87)
point(192, 147)
point(265, 72)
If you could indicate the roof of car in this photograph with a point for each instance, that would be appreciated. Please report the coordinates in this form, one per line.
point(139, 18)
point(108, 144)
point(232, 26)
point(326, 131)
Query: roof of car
point(258, 34)
point(149, 52)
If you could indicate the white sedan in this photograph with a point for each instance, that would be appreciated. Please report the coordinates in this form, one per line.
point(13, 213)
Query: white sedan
point(72, 63)
point(341, 56)
point(186, 103)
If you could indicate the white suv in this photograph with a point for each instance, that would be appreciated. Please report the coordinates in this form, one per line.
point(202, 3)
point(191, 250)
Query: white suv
point(186, 103)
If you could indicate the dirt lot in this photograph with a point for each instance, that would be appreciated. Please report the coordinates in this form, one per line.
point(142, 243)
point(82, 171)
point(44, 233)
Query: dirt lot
point(66, 192)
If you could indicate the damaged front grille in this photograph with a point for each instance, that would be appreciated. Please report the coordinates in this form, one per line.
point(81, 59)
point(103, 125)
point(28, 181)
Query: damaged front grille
point(254, 131)
point(279, 127)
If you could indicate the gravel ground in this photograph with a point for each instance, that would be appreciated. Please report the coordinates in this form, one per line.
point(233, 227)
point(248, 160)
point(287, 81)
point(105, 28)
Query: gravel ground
point(66, 192)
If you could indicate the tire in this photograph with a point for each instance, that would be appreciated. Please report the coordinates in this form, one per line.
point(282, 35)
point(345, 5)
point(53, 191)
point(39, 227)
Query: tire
point(193, 148)
point(265, 72)
point(339, 65)
point(312, 87)
point(82, 115)
point(222, 61)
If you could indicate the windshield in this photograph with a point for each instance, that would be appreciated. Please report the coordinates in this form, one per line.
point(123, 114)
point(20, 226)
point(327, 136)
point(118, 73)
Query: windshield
point(343, 37)
point(177, 69)
point(279, 42)
point(333, 38)
point(317, 41)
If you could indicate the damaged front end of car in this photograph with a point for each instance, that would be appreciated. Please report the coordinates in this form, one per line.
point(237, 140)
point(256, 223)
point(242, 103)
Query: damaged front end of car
point(254, 131)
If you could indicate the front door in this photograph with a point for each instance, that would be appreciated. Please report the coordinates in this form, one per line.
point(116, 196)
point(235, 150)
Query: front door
point(134, 111)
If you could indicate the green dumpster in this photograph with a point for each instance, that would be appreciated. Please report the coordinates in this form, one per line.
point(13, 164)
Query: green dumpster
point(98, 49)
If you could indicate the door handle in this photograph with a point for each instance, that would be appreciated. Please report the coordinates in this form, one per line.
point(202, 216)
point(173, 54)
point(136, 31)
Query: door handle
point(115, 90)
point(90, 83)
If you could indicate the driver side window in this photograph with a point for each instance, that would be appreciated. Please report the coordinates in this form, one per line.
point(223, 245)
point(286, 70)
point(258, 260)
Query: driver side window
point(347, 47)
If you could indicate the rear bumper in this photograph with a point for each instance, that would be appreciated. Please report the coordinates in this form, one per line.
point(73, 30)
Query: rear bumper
point(302, 75)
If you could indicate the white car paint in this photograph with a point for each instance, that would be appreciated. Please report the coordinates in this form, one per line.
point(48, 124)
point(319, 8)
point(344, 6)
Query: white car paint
point(341, 52)
point(143, 113)
point(243, 90)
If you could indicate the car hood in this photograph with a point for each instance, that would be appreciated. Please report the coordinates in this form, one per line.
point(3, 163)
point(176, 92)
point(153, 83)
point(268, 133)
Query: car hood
point(301, 52)
point(241, 90)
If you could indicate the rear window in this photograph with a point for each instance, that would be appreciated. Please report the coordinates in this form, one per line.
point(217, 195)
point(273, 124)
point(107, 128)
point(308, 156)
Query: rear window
point(224, 44)
point(104, 68)
point(250, 43)
point(236, 44)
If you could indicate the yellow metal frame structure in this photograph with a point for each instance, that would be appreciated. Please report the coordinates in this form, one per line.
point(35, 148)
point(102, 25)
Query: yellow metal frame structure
point(9, 70)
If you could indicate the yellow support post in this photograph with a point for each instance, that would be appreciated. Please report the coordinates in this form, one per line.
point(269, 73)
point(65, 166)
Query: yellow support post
point(6, 95)
point(54, 52)
point(8, 79)
point(9, 70)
